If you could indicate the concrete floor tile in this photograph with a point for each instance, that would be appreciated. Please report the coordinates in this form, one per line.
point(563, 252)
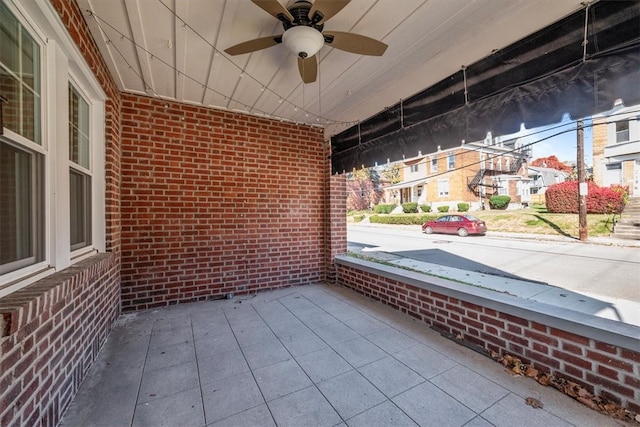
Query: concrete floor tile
point(359, 352)
point(166, 337)
point(390, 376)
point(323, 364)
point(266, 354)
point(336, 333)
point(478, 422)
point(281, 379)
point(513, 411)
point(306, 407)
point(182, 409)
point(165, 382)
point(316, 318)
point(209, 345)
point(230, 396)
point(385, 414)
point(258, 416)
point(120, 386)
point(391, 340)
point(283, 329)
point(460, 383)
point(303, 343)
point(251, 335)
point(425, 361)
point(209, 325)
point(163, 357)
point(365, 324)
point(427, 405)
point(221, 366)
point(350, 394)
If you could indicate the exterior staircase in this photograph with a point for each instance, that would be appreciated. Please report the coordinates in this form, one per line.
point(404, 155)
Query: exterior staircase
point(628, 226)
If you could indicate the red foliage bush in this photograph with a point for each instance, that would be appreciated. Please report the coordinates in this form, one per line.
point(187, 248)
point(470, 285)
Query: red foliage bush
point(563, 198)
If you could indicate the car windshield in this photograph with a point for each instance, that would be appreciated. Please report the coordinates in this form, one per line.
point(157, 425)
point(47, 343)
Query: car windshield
point(471, 218)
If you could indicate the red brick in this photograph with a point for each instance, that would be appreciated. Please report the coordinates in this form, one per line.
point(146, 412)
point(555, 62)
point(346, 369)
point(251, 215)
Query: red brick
point(608, 360)
point(569, 336)
point(570, 358)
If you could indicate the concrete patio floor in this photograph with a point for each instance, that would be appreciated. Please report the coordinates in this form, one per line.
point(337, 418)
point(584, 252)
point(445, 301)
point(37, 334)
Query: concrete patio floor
point(306, 356)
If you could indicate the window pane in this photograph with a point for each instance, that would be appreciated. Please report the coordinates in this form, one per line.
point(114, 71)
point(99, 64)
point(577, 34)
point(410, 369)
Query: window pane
point(16, 211)
point(9, 34)
point(78, 129)
point(20, 77)
point(80, 209)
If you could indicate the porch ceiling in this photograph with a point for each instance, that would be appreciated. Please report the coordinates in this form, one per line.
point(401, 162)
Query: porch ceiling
point(175, 50)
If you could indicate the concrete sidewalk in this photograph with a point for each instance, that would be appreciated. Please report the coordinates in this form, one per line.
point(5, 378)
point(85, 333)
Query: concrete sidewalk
point(307, 356)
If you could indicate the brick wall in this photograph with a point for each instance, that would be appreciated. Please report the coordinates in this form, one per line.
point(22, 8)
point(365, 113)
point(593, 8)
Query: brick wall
point(606, 369)
point(215, 202)
point(335, 221)
point(51, 331)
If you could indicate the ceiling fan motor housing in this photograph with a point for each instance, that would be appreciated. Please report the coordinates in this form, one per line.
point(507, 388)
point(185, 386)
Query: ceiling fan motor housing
point(303, 41)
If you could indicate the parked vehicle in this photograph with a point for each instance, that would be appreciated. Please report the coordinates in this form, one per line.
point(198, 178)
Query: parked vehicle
point(462, 225)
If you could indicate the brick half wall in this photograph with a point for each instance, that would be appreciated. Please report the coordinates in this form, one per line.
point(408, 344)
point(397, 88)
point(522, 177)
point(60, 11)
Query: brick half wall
point(50, 335)
point(600, 354)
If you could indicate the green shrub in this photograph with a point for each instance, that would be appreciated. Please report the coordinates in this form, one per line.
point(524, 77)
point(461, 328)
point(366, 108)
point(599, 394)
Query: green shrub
point(499, 202)
point(425, 208)
point(443, 208)
point(358, 218)
point(383, 209)
point(463, 207)
point(410, 207)
point(401, 219)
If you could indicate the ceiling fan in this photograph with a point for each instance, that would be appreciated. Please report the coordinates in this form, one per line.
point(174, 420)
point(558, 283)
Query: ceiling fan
point(303, 23)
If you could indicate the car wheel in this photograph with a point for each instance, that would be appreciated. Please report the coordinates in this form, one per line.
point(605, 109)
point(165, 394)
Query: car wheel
point(428, 230)
point(462, 232)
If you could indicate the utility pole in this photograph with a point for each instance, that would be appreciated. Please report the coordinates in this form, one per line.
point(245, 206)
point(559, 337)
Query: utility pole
point(582, 184)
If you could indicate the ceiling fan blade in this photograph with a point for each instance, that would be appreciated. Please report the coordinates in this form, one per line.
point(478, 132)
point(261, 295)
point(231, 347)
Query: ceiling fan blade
point(327, 8)
point(308, 68)
point(275, 9)
point(354, 43)
point(253, 45)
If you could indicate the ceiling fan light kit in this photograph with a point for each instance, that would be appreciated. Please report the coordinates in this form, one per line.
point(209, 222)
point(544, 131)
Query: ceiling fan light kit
point(303, 41)
point(303, 23)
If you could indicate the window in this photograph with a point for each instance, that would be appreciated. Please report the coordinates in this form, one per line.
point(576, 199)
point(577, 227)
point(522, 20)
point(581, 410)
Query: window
point(451, 161)
point(434, 164)
point(414, 168)
point(21, 164)
point(443, 187)
point(79, 175)
point(21, 194)
point(52, 182)
point(622, 131)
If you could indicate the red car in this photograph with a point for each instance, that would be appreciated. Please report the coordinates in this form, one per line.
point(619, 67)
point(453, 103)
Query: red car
point(462, 225)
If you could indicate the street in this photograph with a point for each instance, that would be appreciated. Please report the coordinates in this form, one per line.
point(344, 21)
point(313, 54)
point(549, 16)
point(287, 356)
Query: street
point(592, 269)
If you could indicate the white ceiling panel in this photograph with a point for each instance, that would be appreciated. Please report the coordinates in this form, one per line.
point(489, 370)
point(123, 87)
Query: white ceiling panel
point(175, 49)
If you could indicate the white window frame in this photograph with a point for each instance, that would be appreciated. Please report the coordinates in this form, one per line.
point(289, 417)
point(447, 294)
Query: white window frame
point(451, 161)
point(434, 164)
point(61, 63)
point(443, 188)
